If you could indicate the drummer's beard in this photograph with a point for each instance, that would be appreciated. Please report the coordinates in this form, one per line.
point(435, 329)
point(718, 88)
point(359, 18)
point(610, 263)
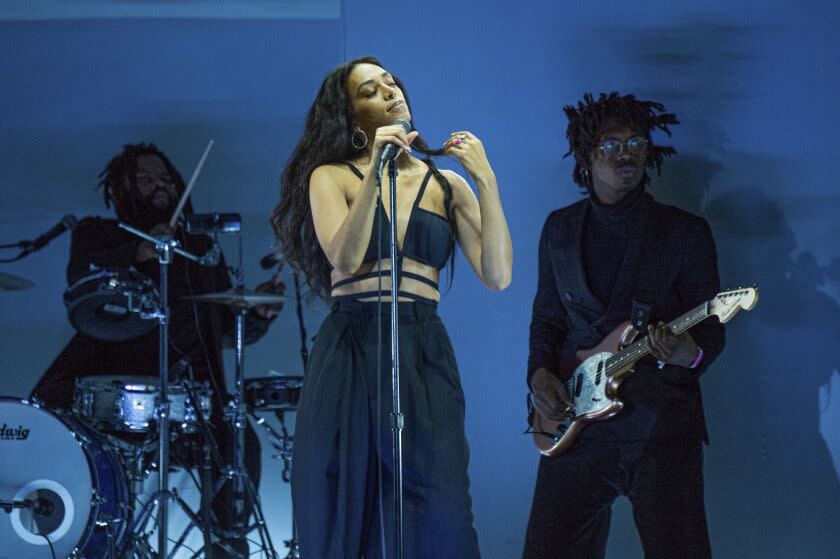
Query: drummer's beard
point(154, 209)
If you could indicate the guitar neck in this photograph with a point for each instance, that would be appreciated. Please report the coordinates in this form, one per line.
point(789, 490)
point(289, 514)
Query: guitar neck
point(638, 349)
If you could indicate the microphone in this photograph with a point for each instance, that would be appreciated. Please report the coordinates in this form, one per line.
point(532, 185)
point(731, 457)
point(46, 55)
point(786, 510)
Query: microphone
point(391, 150)
point(270, 260)
point(67, 223)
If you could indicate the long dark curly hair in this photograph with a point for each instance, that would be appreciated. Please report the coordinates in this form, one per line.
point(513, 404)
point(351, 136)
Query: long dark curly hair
point(118, 181)
point(587, 121)
point(327, 138)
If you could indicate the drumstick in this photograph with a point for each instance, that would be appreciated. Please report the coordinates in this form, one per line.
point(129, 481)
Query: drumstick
point(174, 219)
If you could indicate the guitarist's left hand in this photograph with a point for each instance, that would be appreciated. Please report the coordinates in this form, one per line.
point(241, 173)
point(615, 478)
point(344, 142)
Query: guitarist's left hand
point(675, 350)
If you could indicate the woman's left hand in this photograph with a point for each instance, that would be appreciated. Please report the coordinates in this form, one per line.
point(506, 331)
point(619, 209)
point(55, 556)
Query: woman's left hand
point(470, 152)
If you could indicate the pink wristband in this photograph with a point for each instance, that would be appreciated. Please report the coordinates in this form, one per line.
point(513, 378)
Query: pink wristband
point(699, 358)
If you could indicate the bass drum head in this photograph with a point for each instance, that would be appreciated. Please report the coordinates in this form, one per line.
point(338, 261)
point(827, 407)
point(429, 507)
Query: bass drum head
point(44, 462)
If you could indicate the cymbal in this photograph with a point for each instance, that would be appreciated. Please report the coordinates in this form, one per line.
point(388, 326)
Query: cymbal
point(9, 282)
point(239, 298)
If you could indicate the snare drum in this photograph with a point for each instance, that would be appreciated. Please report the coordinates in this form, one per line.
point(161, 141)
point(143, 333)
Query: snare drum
point(129, 403)
point(273, 393)
point(72, 477)
point(113, 305)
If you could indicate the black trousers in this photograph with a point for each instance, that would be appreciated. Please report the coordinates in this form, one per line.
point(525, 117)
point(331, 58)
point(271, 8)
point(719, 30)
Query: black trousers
point(570, 514)
point(343, 441)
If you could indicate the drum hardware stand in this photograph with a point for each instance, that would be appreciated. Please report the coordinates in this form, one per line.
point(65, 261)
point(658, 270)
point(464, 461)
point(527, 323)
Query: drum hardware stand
point(146, 513)
point(165, 247)
point(209, 453)
point(282, 443)
point(235, 414)
point(243, 487)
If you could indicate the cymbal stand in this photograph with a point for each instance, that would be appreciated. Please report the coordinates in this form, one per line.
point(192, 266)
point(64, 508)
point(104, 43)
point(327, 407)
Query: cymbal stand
point(235, 414)
point(165, 246)
point(283, 444)
point(243, 487)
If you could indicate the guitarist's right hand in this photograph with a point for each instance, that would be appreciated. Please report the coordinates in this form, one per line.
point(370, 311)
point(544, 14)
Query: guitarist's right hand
point(551, 398)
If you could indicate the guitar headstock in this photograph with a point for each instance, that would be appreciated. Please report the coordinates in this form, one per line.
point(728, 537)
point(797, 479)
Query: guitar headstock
point(726, 304)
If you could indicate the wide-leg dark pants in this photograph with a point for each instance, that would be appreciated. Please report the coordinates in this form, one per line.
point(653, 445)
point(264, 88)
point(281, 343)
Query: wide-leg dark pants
point(343, 438)
point(570, 514)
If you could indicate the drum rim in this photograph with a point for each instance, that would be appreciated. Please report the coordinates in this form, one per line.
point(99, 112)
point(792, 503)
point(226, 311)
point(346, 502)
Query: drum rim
point(119, 382)
point(259, 381)
point(112, 272)
point(73, 425)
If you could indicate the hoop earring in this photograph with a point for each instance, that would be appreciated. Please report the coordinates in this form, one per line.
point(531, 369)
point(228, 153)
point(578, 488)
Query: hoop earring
point(353, 141)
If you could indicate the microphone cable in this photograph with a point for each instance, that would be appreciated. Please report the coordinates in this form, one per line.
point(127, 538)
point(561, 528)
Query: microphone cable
point(52, 550)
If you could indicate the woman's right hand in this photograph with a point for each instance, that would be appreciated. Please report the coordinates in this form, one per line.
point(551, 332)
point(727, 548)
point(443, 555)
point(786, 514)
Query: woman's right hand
point(551, 398)
point(391, 134)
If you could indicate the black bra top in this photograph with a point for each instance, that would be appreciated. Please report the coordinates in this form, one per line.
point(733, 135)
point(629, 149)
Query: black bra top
point(427, 239)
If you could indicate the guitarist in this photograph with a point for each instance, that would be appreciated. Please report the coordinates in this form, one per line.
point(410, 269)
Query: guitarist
point(614, 256)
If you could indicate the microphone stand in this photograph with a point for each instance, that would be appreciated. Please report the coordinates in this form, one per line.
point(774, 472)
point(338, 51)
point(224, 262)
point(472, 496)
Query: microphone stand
point(397, 418)
point(304, 351)
point(292, 544)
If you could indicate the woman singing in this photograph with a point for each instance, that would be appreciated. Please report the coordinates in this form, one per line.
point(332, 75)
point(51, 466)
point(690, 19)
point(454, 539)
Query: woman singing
point(328, 223)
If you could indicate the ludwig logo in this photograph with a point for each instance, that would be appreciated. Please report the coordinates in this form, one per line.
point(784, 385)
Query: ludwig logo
point(13, 434)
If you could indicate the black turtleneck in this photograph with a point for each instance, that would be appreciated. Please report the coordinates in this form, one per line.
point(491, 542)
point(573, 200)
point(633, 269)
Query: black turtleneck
point(606, 234)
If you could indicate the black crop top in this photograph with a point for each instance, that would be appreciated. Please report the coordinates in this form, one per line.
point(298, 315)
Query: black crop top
point(427, 240)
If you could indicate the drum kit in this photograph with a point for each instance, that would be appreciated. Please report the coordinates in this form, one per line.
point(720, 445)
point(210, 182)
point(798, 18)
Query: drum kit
point(71, 480)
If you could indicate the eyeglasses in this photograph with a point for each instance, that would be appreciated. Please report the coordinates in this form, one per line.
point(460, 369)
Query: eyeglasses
point(150, 179)
point(635, 146)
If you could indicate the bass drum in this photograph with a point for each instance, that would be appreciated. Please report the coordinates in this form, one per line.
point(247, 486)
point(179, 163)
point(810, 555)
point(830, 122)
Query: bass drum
point(76, 488)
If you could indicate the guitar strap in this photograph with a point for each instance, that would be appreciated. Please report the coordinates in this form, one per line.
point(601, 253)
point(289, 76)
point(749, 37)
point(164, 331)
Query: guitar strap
point(650, 269)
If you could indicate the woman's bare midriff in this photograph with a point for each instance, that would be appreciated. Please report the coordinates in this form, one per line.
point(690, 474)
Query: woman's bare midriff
point(407, 285)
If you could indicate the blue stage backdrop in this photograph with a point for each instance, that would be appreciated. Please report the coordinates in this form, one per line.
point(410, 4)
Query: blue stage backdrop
point(753, 84)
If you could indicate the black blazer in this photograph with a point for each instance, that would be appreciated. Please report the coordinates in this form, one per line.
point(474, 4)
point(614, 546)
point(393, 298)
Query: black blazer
point(671, 263)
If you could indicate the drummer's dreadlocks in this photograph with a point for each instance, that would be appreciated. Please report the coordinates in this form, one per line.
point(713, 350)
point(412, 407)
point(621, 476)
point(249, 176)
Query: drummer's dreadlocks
point(123, 166)
point(587, 121)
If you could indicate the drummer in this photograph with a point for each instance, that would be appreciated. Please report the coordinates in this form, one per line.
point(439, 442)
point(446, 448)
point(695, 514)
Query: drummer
point(144, 188)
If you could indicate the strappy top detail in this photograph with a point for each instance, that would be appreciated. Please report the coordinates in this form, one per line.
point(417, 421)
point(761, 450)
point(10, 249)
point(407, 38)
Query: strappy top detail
point(427, 240)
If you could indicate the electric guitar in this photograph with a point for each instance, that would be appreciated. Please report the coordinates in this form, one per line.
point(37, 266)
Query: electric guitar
point(598, 372)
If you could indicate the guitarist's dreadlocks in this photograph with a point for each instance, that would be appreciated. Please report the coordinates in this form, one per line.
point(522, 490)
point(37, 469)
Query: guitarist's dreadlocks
point(588, 119)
